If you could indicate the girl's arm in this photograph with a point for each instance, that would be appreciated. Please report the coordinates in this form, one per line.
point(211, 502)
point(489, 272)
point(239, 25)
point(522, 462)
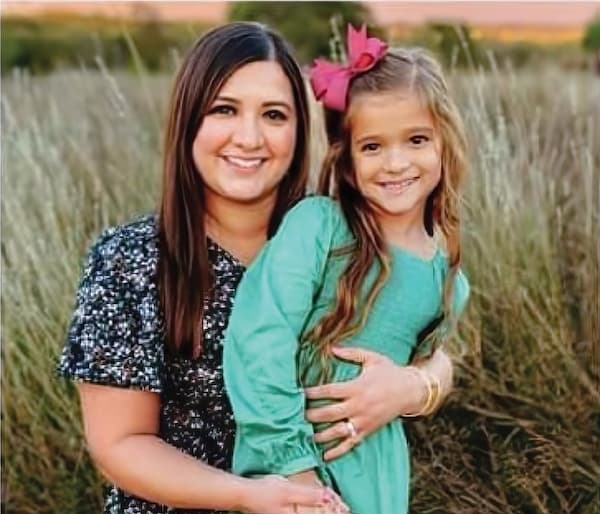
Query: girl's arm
point(272, 305)
point(121, 428)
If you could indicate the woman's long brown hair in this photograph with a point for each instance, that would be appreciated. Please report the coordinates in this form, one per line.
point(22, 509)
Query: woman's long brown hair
point(184, 270)
point(411, 70)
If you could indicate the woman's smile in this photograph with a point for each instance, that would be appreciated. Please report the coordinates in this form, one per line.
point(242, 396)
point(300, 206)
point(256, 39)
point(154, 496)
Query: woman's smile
point(244, 164)
point(246, 142)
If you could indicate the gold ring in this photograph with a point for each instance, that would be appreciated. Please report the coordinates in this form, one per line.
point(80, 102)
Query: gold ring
point(352, 432)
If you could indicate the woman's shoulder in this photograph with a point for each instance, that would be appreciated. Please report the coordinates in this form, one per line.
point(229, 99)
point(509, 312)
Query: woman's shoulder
point(139, 233)
point(132, 246)
point(115, 334)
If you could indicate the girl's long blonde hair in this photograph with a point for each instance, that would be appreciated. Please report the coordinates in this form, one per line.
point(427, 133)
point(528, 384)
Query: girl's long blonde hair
point(413, 70)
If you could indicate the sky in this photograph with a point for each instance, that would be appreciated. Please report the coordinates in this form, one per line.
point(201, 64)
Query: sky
point(538, 14)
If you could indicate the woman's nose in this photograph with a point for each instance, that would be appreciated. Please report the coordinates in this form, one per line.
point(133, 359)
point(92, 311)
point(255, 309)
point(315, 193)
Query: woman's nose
point(248, 133)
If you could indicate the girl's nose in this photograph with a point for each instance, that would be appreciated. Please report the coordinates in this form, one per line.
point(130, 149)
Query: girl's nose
point(397, 161)
point(248, 133)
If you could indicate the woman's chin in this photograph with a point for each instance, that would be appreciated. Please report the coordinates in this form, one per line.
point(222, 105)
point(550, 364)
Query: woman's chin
point(246, 195)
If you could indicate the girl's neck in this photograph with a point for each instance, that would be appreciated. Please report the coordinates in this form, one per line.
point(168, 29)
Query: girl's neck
point(408, 232)
point(241, 229)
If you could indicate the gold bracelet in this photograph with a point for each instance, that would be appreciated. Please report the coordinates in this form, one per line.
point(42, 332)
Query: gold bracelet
point(436, 395)
point(430, 393)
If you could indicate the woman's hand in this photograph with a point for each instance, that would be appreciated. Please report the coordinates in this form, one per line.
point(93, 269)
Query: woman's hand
point(382, 392)
point(309, 477)
point(277, 495)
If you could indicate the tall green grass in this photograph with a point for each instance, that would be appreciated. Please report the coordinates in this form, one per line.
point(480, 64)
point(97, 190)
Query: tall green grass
point(521, 432)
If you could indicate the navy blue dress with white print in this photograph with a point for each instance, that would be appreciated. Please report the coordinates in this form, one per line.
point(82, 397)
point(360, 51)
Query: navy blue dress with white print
point(116, 338)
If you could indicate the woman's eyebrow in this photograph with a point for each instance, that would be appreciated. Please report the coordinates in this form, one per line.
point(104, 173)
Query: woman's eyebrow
point(270, 103)
point(230, 99)
point(278, 103)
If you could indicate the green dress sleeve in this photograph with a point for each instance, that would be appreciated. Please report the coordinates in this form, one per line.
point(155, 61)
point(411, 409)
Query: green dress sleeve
point(460, 294)
point(271, 308)
point(460, 297)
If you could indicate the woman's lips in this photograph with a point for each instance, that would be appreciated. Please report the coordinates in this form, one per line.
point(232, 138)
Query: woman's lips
point(244, 163)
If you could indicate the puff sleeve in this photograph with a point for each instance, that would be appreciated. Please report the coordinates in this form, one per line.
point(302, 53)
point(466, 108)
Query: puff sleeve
point(460, 297)
point(115, 336)
point(271, 308)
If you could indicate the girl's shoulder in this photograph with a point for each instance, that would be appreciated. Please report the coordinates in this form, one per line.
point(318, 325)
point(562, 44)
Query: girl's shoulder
point(319, 213)
point(317, 206)
point(461, 287)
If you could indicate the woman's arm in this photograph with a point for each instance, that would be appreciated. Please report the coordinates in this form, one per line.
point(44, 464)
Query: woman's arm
point(382, 392)
point(439, 365)
point(121, 428)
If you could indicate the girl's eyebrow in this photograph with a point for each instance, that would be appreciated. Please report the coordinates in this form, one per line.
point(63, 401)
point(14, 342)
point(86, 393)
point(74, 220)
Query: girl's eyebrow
point(421, 129)
point(424, 128)
point(365, 138)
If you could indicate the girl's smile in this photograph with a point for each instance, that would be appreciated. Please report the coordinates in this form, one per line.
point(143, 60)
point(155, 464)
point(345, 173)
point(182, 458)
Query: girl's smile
point(398, 186)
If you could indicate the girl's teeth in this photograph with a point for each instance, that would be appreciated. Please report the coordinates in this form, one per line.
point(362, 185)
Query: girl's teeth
point(397, 186)
point(244, 163)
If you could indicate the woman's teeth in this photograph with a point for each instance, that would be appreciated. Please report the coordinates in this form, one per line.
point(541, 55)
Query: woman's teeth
point(244, 163)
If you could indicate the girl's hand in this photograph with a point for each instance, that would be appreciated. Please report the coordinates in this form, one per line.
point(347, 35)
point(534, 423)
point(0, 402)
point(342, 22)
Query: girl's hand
point(277, 495)
point(382, 392)
point(309, 477)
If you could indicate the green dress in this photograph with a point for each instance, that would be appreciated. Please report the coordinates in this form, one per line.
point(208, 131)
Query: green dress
point(287, 289)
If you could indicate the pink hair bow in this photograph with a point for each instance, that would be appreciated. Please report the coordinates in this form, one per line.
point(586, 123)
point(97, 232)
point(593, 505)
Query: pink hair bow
point(330, 81)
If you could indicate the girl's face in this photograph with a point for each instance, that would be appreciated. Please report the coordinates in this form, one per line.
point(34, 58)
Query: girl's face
point(246, 141)
point(396, 152)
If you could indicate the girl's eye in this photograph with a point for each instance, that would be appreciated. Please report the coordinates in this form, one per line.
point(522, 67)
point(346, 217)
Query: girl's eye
point(275, 115)
point(419, 140)
point(370, 147)
point(225, 110)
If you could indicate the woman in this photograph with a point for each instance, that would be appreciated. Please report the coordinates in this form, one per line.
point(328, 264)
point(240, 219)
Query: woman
point(155, 296)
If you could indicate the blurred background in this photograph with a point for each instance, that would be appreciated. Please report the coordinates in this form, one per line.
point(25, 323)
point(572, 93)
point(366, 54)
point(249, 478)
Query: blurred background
point(44, 36)
point(84, 92)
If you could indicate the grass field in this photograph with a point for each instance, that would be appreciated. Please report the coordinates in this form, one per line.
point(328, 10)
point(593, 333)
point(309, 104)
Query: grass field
point(521, 432)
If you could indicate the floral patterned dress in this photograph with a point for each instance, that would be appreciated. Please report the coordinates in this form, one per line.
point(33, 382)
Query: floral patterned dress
point(116, 338)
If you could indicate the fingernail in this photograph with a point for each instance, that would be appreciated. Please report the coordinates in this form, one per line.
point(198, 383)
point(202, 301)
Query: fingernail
point(329, 496)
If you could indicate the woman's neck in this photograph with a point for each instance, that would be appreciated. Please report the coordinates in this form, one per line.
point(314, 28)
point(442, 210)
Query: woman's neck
point(239, 228)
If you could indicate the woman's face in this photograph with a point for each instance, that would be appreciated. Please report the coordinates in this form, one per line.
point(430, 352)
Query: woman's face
point(246, 141)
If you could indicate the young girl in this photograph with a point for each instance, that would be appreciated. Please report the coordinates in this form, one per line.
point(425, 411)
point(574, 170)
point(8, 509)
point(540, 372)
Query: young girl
point(374, 265)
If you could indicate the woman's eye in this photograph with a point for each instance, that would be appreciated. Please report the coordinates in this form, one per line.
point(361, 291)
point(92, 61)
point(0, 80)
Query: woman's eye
point(275, 115)
point(225, 110)
point(419, 140)
point(370, 147)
